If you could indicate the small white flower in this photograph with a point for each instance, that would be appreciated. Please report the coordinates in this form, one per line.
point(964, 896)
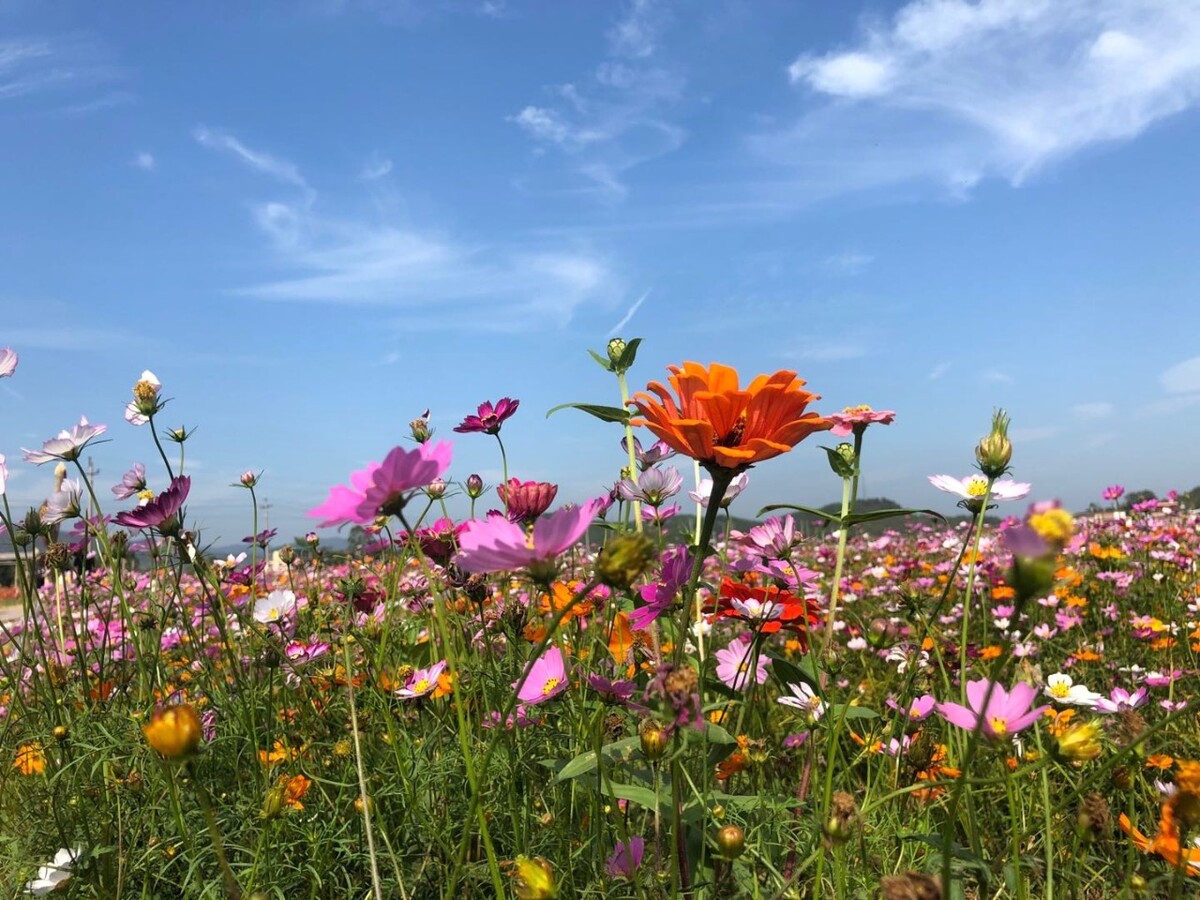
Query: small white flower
point(758, 610)
point(1063, 689)
point(54, 874)
point(804, 698)
point(274, 606)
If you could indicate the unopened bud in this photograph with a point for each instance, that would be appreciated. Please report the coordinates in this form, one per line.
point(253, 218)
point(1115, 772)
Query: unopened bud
point(435, 489)
point(616, 348)
point(474, 486)
point(311, 539)
point(654, 740)
point(287, 555)
point(994, 451)
point(624, 558)
point(249, 479)
point(731, 841)
point(420, 429)
point(58, 556)
point(533, 879)
point(174, 731)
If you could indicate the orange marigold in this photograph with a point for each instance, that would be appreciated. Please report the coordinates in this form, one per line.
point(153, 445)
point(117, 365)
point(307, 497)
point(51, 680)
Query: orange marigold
point(723, 426)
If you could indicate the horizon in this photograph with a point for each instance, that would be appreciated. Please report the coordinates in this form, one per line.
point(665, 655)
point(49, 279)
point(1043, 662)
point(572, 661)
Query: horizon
point(314, 221)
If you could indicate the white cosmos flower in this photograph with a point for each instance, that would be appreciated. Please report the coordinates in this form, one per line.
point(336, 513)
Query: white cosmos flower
point(973, 487)
point(54, 874)
point(1063, 689)
point(274, 606)
point(804, 698)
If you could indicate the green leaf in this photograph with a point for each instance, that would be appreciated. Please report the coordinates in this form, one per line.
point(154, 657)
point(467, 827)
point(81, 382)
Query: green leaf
point(842, 467)
point(625, 362)
point(586, 762)
point(876, 514)
point(641, 795)
point(804, 672)
point(604, 413)
point(831, 517)
point(604, 363)
point(852, 712)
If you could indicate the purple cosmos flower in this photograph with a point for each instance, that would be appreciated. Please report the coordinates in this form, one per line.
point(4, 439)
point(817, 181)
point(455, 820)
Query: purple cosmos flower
point(68, 445)
point(301, 653)
point(496, 545)
point(654, 487)
point(488, 418)
point(526, 500)
point(857, 418)
point(625, 858)
point(733, 665)
point(1006, 712)
point(421, 682)
point(8, 361)
point(383, 487)
point(1121, 700)
point(617, 692)
point(546, 678)
point(676, 569)
point(64, 503)
point(658, 452)
point(704, 490)
point(132, 482)
point(162, 511)
point(262, 539)
point(659, 514)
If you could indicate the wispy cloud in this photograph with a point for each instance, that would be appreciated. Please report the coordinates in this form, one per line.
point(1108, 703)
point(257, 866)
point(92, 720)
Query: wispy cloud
point(617, 117)
point(995, 376)
point(64, 68)
point(1182, 378)
point(145, 161)
point(995, 88)
point(262, 162)
point(628, 317)
point(939, 370)
point(1092, 411)
point(377, 167)
point(848, 262)
point(436, 278)
point(833, 351)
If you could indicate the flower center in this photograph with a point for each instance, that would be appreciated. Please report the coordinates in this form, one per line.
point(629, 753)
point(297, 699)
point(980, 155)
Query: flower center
point(735, 434)
point(421, 686)
point(977, 487)
point(861, 408)
point(999, 726)
point(549, 686)
point(1059, 690)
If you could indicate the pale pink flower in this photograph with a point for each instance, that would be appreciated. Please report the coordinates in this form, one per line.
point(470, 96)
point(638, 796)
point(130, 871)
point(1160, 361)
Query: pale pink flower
point(1005, 713)
point(8, 361)
point(495, 544)
point(857, 418)
point(68, 445)
point(546, 678)
point(973, 487)
point(383, 488)
point(704, 490)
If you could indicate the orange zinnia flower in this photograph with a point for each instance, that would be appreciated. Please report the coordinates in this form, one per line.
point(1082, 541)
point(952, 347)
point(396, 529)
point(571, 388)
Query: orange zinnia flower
point(1165, 843)
point(723, 426)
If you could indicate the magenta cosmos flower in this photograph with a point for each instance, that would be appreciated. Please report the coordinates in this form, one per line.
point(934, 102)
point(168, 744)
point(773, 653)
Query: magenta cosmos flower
point(733, 665)
point(857, 418)
point(546, 678)
point(1005, 713)
point(383, 488)
point(526, 500)
point(68, 445)
point(1113, 492)
point(488, 418)
point(421, 682)
point(161, 510)
point(495, 544)
point(8, 361)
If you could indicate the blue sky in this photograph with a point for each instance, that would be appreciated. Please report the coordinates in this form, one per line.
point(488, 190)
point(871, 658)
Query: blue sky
point(313, 220)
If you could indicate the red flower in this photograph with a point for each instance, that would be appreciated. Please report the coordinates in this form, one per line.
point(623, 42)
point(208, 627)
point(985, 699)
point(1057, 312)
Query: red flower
point(774, 607)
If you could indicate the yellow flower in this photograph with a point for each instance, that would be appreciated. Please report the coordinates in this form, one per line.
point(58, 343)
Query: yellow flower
point(533, 879)
point(1055, 526)
point(30, 759)
point(1081, 742)
point(174, 731)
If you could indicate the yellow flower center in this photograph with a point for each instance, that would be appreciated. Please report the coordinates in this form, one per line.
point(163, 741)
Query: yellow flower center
point(977, 487)
point(1053, 525)
point(421, 686)
point(999, 726)
point(861, 408)
point(147, 494)
point(1060, 690)
point(549, 686)
point(144, 391)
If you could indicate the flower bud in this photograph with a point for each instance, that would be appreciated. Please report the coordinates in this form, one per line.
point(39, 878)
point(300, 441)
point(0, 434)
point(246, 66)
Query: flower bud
point(843, 816)
point(474, 486)
point(287, 555)
point(624, 558)
point(994, 451)
point(842, 460)
point(420, 429)
point(174, 731)
point(616, 349)
point(58, 556)
point(436, 489)
point(731, 841)
point(654, 740)
point(61, 732)
point(1080, 743)
point(248, 479)
point(311, 539)
point(177, 435)
point(274, 802)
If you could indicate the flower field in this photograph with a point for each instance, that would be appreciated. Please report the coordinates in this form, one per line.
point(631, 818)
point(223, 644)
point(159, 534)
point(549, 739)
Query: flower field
point(628, 697)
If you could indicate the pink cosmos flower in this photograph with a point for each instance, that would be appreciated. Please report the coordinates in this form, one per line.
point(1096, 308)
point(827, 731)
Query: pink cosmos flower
point(3, 474)
point(8, 361)
point(1113, 492)
point(659, 515)
point(972, 487)
point(383, 488)
point(625, 858)
point(160, 511)
point(496, 544)
point(676, 569)
point(526, 500)
point(1121, 700)
point(646, 459)
point(421, 682)
point(489, 418)
point(857, 418)
point(654, 487)
point(704, 490)
point(733, 665)
point(545, 679)
point(132, 482)
point(68, 445)
point(1006, 712)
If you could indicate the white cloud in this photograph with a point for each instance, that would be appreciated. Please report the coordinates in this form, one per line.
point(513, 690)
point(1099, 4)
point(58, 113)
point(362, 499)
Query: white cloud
point(939, 370)
point(835, 351)
point(995, 376)
point(1182, 378)
point(994, 88)
point(376, 167)
point(145, 161)
point(849, 262)
point(628, 317)
point(64, 66)
point(261, 162)
point(1091, 411)
point(434, 277)
point(618, 118)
